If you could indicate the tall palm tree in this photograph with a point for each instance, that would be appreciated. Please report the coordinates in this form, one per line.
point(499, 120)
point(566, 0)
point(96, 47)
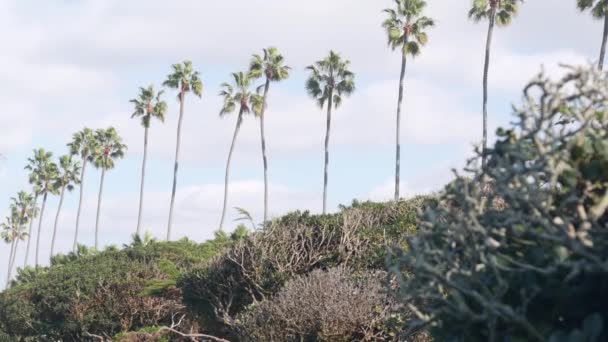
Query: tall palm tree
point(83, 144)
point(147, 105)
point(68, 177)
point(328, 82)
point(185, 79)
point(237, 94)
point(405, 28)
point(498, 12)
point(109, 148)
point(33, 214)
point(13, 230)
point(599, 10)
point(9, 234)
point(43, 173)
point(35, 164)
point(269, 65)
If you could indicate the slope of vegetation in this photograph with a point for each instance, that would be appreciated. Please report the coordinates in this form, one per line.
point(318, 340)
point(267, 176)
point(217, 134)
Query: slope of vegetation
point(217, 287)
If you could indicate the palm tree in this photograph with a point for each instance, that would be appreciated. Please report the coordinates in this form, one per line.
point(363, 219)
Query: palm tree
point(328, 82)
point(184, 79)
point(33, 214)
point(405, 28)
point(271, 67)
point(237, 94)
point(83, 144)
point(13, 230)
point(10, 231)
point(68, 177)
point(36, 193)
point(599, 10)
point(43, 173)
point(109, 147)
point(497, 12)
point(147, 105)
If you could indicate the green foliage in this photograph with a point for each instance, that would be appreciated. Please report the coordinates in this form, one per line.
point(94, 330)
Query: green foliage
point(83, 144)
point(108, 148)
point(518, 252)
point(239, 95)
point(102, 293)
point(502, 11)
point(405, 26)
point(148, 105)
point(269, 65)
point(330, 80)
point(43, 172)
point(597, 7)
point(185, 79)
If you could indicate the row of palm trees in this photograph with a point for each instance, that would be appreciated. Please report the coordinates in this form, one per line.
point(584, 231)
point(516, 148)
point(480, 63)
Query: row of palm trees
point(329, 81)
point(47, 177)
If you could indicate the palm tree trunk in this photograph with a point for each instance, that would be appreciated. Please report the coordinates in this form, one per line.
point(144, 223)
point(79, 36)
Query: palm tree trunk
point(325, 171)
point(398, 127)
point(84, 166)
point(485, 87)
point(227, 176)
point(29, 233)
point(57, 220)
point(604, 38)
point(103, 174)
point(143, 177)
point(10, 262)
point(266, 87)
point(40, 226)
point(179, 136)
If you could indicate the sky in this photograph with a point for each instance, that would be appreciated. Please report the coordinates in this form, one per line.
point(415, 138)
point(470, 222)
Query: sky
point(67, 64)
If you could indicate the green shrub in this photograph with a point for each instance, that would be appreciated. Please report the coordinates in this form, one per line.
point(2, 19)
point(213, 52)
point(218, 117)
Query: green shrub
point(102, 293)
point(519, 251)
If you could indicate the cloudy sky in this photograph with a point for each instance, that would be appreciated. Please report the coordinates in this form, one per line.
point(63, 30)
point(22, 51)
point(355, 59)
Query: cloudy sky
point(67, 64)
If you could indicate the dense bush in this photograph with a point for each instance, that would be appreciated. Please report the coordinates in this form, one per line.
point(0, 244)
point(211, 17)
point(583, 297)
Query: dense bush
point(102, 293)
point(519, 251)
point(323, 305)
point(296, 244)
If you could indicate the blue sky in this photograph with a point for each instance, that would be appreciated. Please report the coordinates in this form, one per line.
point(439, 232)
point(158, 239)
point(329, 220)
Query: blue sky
point(70, 64)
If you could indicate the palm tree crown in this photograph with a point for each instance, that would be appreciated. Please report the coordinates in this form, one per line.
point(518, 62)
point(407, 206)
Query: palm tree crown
point(109, 148)
point(505, 10)
point(83, 143)
point(13, 228)
point(405, 26)
point(270, 65)
point(239, 93)
point(598, 7)
point(24, 204)
point(43, 172)
point(68, 173)
point(330, 77)
point(185, 79)
point(148, 105)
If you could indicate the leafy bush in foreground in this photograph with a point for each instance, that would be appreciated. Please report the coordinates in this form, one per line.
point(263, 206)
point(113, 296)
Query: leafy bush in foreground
point(535, 267)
